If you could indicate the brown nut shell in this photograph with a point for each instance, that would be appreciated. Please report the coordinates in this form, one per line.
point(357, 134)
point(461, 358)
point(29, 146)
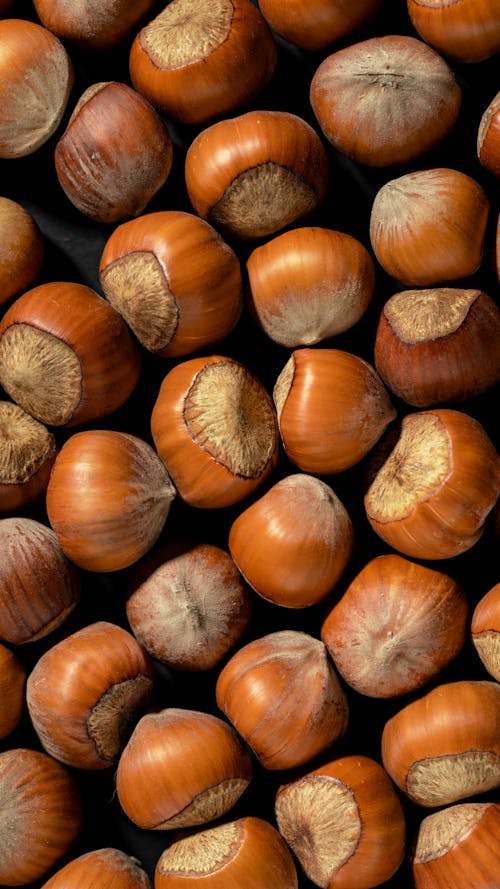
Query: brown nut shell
point(457, 846)
point(174, 280)
point(181, 768)
point(319, 23)
point(397, 625)
point(485, 630)
point(12, 685)
point(247, 852)
point(39, 587)
point(308, 284)
point(385, 100)
point(195, 62)
point(293, 544)
point(445, 746)
point(283, 697)
point(121, 479)
point(428, 227)
point(465, 30)
point(36, 77)
point(41, 815)
point(189, 605)
point(22, 249)
point(344, 822)
point(66, 356)
point(115, 154)
point(92, 25)
point(27, 454)
point(214, 426)
point(254, 174)
point(85, 693)
point(438, 346)
point(488, 136)
point(432, 494)
point(332, 409)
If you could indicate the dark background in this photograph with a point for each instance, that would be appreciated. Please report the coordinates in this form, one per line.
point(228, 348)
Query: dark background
point(73, 248)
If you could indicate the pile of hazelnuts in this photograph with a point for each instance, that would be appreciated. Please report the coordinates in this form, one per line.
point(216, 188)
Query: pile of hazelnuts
point(249, 444)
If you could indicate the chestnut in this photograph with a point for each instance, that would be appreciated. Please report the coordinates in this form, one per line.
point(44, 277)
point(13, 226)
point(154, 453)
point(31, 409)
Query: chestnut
point(308, 284)
point(41, 813)
point(488, 135)
point(293, 544)
point(317, 24)
point(254, 174)
point(36, 78)
point(485, 630)
point(108, 498)
point(428, 227)
point(27, 454)
point(22, 249)
point(115, 154)
point(108, 867)
point(385, 100)
point(431, 495)
point(181, 768)
point(344, 822)
point(458, 846)
point(465, 31)
point(439, 345)
point(397, 625)
point(39, 587)
point(66, 356)
point(12, 685)
point(214, 426)
point(445, 746)
point(174, 280)
point(283, 697)
point(248, 852)
point(332, 408)
point(85, 693)
point(188, 606)
point(98, 25)
point(195, 62)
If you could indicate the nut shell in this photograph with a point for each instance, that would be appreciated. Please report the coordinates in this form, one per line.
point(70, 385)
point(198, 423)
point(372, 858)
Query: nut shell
point(66, 356)
point(293, 544)
point(309, 284)
point(465, 31)
point(397, 625)
point(22, 249)
point(438, 346)
point(115, 154)
point(41, 815)
point(85, 693)
point(332, 408)
point(385, 100)
point(254, 174)
point(432, 495)
point(344, 822)
point(248, 852)
point(214, 426)
point(283, 697)
point(445, 746)
point(174, 280)
point(121, 479)
point(181, 768)
point(457, 847)
point(485, 630)
point(92, 25)
point(36, 78)
point(195, 62)
point(39, 587)
point(428, 227)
